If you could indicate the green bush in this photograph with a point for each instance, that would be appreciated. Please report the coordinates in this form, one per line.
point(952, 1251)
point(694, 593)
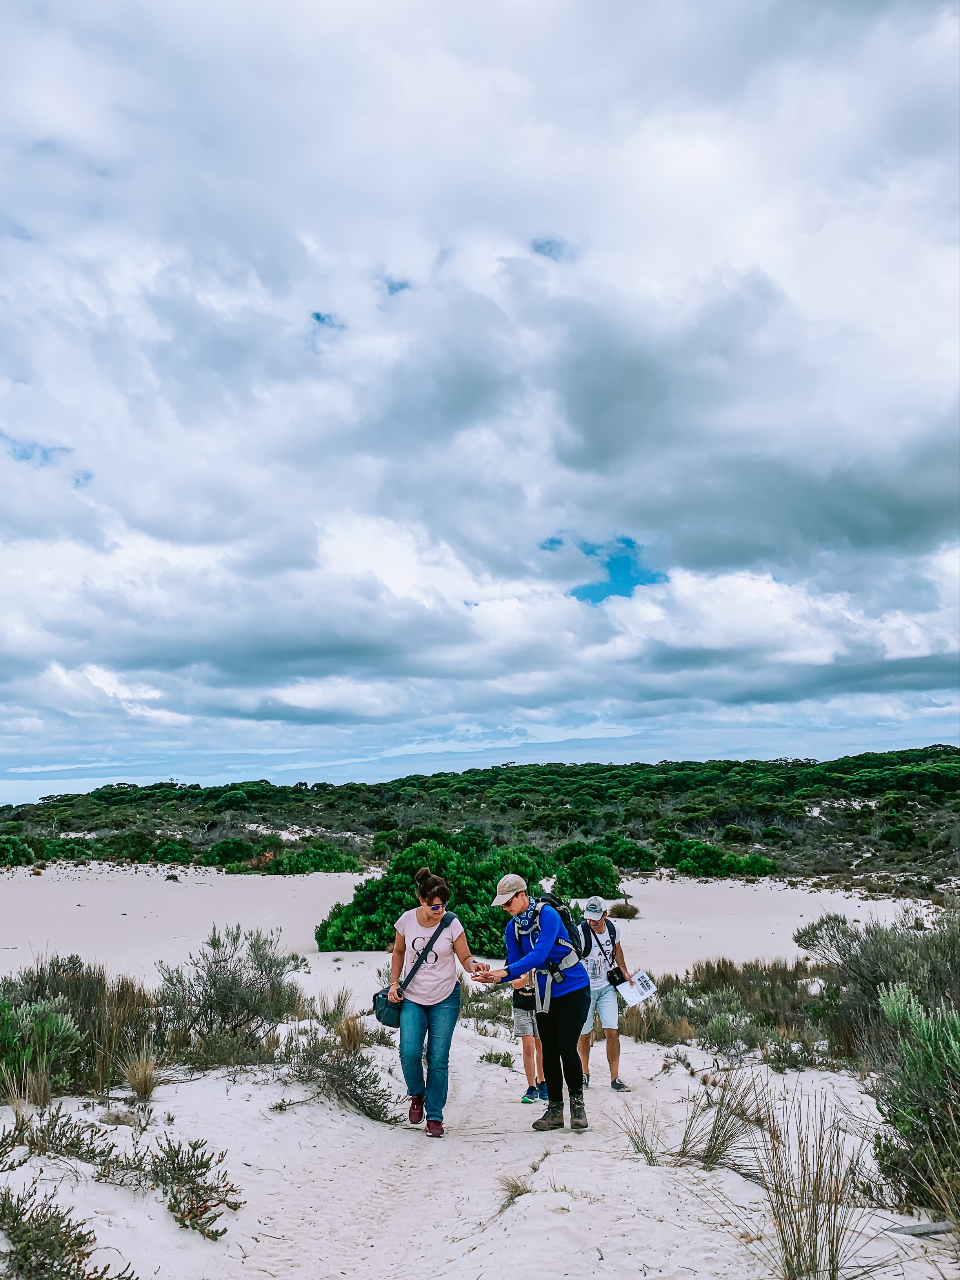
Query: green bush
point(41, 1036)
point(694, 858)
point(872, 957)
point(174, 853)
point(565, 853)
point(235, 799)
point(112, 1017)
point(918, 1095)
point(737, 835)
point(14, 853)
point(302, 861)
point(227, 851)
point(589, 874)
point(626, 853)
point(236, 989)
point(367, 923)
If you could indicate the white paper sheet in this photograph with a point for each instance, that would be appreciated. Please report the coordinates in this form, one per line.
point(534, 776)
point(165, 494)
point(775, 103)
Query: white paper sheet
point(642, 990)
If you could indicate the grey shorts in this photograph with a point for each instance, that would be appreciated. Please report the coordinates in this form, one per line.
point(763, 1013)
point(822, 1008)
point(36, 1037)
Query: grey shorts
point(525, 1023)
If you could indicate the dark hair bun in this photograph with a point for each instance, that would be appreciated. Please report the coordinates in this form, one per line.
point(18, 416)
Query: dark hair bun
point(422, 875)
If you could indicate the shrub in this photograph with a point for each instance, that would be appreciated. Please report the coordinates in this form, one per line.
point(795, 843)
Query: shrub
point(304, 860)
point(918, 1095)
point(320, 1061)
point(174, 853)
point(14, 853)
point(111, 1015)
point(498, 1059)
point(623, 911)
point(737, 835)
point(694, 858)
point(367, 922)
point(870, 958)
point(227, 851)
point(46, 1241)
point(590, 873)
point(237, 989)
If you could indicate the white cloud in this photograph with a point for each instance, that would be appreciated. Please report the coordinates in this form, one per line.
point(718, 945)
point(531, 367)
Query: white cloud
point(224, 515)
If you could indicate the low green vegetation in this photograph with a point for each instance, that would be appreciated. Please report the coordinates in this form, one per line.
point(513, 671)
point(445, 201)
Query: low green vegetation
point(889, 821)
point(470, 867)
point(880, 999)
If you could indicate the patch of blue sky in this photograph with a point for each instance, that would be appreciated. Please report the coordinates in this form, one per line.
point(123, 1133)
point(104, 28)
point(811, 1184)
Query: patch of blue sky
point(623, 561)
point(396, 286)
point(551, 247)
point(326, 320)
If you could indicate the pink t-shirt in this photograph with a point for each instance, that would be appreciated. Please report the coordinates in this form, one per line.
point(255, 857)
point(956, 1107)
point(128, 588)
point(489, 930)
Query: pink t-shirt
point(437, 976)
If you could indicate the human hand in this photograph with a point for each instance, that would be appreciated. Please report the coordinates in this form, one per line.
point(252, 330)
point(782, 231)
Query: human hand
point(393, 995)
point(480, 966)
point(519, 983)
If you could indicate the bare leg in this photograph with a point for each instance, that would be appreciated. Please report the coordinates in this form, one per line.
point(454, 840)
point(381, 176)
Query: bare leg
point(538, 1045)
point(529, 1058)
point(613, 1053)
point(583, 1048)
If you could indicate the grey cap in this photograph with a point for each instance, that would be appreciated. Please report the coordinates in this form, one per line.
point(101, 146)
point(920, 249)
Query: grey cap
point(507, 888)
point(594, 909)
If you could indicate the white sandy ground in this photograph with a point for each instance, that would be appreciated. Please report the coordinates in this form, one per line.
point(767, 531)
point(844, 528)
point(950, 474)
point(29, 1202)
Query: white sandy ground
point(330, 1194)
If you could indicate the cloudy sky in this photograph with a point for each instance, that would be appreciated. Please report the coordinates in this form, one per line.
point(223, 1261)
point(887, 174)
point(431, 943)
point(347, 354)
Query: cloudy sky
point(387, 387)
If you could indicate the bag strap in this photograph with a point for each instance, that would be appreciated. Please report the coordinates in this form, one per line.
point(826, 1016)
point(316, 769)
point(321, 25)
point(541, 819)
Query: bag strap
point(448, 919)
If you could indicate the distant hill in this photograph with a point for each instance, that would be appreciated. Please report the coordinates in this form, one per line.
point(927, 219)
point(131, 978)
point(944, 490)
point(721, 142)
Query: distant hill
point(894, 813)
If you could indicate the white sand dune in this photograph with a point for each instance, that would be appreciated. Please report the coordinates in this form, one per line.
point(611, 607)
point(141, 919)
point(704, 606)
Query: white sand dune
point(331, 1194)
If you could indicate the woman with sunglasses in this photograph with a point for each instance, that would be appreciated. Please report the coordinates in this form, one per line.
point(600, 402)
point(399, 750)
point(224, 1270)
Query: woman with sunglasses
point(431, 1001)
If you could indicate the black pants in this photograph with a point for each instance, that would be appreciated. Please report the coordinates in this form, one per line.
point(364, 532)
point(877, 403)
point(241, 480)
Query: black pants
point(560, 1029)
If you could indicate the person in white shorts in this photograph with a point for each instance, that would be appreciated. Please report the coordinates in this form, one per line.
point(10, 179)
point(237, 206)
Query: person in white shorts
point(602, 952)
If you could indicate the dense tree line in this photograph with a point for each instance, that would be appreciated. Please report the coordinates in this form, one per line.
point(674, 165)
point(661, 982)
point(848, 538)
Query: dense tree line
point(897, 810)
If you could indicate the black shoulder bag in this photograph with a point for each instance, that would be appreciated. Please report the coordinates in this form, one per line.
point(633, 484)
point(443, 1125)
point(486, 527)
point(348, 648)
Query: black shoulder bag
point(386, 1010)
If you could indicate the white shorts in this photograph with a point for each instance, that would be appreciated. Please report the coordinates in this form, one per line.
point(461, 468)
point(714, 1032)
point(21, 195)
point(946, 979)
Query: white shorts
point(603, 1000)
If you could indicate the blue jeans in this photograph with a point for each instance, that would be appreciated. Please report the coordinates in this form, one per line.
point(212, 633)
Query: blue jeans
point(416, 1021)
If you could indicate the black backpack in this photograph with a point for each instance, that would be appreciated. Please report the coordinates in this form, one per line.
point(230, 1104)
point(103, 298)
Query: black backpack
point(563, 911)
point(587, 936)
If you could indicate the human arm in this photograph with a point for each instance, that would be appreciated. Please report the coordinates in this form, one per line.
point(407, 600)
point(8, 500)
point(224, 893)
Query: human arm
point(462, 952)
point(396, 966)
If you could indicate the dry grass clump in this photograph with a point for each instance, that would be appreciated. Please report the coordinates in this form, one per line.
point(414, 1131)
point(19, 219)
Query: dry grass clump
point(513, 1187)
point(623, 911)
point(648, 1022)
point(642, 1132)
point(811, 1171)
point(140, 1073)
point(349, 1031)
point(719, 1127)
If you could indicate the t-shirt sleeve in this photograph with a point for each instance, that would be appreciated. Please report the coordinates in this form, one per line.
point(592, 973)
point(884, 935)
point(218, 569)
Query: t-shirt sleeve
point(399, 925)
point(456, 929)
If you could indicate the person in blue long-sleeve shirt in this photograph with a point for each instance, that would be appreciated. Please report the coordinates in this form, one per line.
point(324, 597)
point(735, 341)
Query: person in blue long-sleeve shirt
point(564, 992)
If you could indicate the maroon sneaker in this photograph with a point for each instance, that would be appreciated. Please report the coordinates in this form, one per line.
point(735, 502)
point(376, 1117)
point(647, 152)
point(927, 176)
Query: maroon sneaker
point(416, 1109)
point(434, 1129)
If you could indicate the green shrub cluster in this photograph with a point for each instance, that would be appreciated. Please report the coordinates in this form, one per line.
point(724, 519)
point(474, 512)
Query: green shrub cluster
point(918, 1095)
point(590, 873)
point(695, 858)
point(70, 1021)
point(273, 857)
point(14, 852)
point(367, 923)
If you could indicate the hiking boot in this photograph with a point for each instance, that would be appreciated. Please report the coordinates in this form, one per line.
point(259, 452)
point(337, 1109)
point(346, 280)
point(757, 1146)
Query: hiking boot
point(542, 1091)
point(416, 1109)
point(578, 1113)
point(586, 1079)
point(619, 1086)
point(434, 1129)
point(532, 1094)
point(552, 1118)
